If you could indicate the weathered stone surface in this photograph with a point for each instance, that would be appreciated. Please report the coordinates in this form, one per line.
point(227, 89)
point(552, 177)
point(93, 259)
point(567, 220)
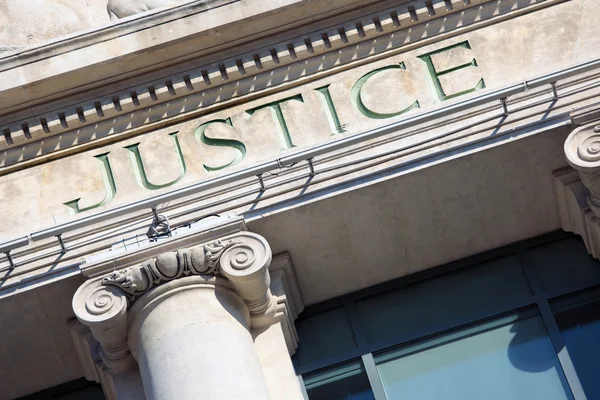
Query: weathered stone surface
point(35, 348)
point(250, 132)
point(459, 208)
point(26, 23)
point(376, 225)
point(188, 322)
point(125, 8)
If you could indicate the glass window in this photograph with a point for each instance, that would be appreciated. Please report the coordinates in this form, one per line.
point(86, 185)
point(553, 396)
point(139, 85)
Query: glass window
point(343, 382)
point(323, 336)
point(507, 358)
point(578, 318)
point(80, 389)
point(565, 264)
point(452, 299)
point(88, 393)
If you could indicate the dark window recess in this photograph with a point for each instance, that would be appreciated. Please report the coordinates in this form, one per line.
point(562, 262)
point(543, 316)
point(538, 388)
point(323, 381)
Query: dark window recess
point(343, 382)
point(448, 300)
point(325, 335)
point(565, 264)
point(80, 389)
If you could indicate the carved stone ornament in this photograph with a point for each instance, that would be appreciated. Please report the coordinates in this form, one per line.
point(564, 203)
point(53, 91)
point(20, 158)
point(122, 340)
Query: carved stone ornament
point(104, 310)
point(111, 305)
point(200, 260)
point(582, 149)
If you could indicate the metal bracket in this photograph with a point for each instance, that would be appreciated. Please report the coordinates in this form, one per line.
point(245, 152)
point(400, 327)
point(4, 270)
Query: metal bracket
point(11, 262)
point(554, 92)
point(311, 167)
point(159, 227)
point(62, 243)
point(261, 182)
point(504, 106)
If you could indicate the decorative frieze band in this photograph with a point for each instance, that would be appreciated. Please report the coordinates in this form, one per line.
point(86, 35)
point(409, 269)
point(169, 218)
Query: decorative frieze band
point(201, 260)
point(230, 71)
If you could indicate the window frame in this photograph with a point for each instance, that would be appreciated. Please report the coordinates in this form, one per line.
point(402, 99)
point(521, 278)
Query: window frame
point(540, 299)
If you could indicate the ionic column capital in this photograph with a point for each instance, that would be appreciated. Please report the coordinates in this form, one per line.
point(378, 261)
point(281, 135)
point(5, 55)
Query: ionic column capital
point(239, 261)
point(582, 150)
point(578, 188)
point(104, 310)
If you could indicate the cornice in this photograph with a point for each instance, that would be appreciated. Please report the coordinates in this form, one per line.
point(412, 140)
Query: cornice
point(77, 40)
point(150, 42)
point(195, 85)
point(585, 115)
point(482, 127)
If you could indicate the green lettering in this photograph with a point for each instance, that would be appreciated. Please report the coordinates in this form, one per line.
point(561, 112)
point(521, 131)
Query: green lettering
point(110, 187)
point(358, 103)
point(435, 75)
point(330, 111)
point(275, 107)
point(140, 171)
point(217, 142)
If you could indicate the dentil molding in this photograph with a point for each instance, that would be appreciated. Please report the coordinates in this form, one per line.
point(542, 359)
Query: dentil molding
point(220, 82)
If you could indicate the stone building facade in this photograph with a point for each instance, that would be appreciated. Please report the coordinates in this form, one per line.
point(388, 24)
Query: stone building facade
point(299, 199)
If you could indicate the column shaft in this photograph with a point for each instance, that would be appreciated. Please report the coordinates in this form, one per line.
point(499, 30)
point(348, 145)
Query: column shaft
point(192, 342)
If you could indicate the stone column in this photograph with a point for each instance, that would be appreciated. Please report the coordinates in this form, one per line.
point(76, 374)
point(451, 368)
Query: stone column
point(582, 149)
point(578, 189)
point(191, 339)
point(187, 318)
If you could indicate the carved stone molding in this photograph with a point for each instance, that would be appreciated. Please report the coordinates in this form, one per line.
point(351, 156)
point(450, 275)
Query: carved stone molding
point(103, 309)
point(238, 263)
point(578, 188)
point(208, 85)
point(88, 351)
point(201, 260)
point(582, 149)
point(290, 304)
point(575, 213)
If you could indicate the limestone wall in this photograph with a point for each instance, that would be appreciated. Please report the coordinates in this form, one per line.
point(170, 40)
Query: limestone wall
point(182, 154)
point(30, 22)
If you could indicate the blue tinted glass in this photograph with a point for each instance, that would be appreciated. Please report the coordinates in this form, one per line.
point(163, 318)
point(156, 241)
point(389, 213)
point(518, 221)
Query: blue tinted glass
point(344, 382)
point(324, 335)
point(509, 358)
point(448, 300)
point(580, 328)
